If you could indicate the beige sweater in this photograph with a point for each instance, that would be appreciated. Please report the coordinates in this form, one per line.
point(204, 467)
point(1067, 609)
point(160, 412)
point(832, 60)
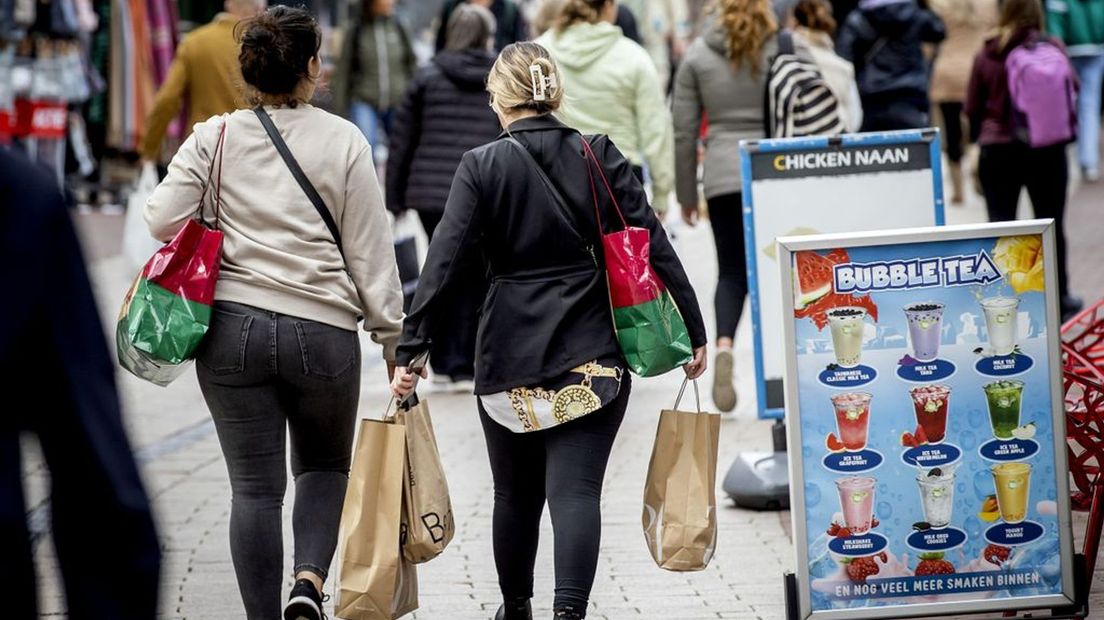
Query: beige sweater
point(277, 253)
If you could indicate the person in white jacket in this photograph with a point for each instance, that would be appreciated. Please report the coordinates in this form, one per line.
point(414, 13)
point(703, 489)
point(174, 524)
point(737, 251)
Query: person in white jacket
point(614, 90)
point(814, 25)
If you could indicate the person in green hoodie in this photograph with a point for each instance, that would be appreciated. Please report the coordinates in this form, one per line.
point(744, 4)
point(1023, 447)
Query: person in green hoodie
point(1080, 25)
point(614, 90)
point(376, 65)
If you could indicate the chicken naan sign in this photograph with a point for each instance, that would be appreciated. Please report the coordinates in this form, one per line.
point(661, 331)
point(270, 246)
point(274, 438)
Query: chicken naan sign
point(825, 185)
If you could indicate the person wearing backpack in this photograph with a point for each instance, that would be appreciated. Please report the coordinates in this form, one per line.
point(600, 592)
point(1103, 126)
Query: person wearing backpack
point(884, 39)
point(1080, 25)
point(1022, 110)
point(815, 27)
point(723, 76)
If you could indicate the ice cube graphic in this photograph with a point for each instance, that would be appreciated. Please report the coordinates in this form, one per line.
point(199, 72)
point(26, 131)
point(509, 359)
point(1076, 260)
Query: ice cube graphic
point(969, 333)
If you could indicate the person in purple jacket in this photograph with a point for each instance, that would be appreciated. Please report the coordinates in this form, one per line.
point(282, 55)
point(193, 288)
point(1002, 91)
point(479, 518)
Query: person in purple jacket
point(1007, 165)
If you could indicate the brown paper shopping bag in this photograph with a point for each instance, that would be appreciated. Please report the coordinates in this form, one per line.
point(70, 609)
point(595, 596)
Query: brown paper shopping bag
point(680, 504)
point(375, 582)
point(427, 523)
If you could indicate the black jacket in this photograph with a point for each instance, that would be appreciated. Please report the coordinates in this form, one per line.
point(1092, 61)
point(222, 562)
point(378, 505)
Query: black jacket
point(53, 334)
point(883, 38)
point(548, 309)
point(445, 114)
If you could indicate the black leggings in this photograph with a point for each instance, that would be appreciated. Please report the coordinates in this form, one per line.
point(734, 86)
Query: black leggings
point(565, 466)
point(726, 215)
point(951, 111)
point(1005, 169)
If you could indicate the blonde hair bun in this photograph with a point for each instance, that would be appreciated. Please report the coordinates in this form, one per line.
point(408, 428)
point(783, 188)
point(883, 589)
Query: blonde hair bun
point(525, 76)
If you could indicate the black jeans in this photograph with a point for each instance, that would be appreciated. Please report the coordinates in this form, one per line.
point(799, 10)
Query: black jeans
point(726, 216)
point(1005, 169)
point(951, 111)
point(262, 373)
point(452, 347)
point(565, 466)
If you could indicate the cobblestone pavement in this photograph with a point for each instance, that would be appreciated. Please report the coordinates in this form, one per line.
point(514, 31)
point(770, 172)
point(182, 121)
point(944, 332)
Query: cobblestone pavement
point(186, 477)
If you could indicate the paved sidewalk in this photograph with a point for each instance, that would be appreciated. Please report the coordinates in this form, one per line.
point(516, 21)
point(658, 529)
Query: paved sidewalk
point(187, 480)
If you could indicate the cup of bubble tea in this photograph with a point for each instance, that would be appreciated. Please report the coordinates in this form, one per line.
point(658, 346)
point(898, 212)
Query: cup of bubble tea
point(925, 326)
point(1000, 323)
point(857, 501)
point(930, 403)
point(852, 418)
point(846, 325)
point(1013, 481)
point(1004, 399)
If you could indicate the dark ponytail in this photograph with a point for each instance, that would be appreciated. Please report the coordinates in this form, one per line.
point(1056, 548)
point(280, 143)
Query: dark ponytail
point(276, 49)
point(815, 15)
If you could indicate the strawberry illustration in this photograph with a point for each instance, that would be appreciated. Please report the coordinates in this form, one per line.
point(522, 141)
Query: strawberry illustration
point(996, 554)
point(908, 441)
point(933, 564)
point(843, 532)
point(833, 529)
point(861, 568)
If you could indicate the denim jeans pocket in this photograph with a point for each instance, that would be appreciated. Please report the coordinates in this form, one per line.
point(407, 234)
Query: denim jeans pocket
point(223, 350)
point(328, 352)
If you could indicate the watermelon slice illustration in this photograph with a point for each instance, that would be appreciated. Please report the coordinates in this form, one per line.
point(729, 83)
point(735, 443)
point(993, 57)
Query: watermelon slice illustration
point(812, 278)
point(814, 295)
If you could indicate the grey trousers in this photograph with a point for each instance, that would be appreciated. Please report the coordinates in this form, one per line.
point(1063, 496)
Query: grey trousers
point(263, 374)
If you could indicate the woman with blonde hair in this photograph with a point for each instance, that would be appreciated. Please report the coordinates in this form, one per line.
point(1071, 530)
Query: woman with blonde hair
point(615, 89)
point(551, 381)
point(724, 77)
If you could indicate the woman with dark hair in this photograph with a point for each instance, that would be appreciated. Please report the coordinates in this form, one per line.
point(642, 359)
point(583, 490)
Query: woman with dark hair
point(552, 383)
point(282, 352)
point(815, 28)
point(1006, 165)
point(444, 115)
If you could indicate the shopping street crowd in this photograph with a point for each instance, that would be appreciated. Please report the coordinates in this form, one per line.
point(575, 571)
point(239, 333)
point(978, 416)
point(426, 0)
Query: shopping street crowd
point(531, 132)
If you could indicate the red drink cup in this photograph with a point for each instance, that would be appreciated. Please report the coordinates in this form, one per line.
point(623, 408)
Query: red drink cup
point(852, 418)
point(930, 403)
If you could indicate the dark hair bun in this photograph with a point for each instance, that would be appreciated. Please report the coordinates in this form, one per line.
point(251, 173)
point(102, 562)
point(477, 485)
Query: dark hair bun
point(276, 49)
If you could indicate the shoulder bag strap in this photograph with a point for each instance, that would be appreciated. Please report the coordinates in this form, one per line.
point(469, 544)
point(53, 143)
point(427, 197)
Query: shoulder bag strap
point(592, 161)
point(557, 197)
point(212, 176)
point(300, 177)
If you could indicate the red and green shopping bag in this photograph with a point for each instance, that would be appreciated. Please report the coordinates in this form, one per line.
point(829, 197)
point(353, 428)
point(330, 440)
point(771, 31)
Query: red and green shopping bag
point(650, 330)
point(168, 308)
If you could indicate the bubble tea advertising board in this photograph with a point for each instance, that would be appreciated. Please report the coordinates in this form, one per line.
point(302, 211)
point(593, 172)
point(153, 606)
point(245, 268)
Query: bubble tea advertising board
point(927, 447)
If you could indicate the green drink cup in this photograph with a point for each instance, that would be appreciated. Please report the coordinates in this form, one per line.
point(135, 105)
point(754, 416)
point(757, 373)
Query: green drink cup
point(1004, 399)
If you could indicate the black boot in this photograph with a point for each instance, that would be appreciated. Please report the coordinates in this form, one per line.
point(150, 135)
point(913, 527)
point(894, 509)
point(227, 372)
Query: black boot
point(568, 613)
point(517, 609)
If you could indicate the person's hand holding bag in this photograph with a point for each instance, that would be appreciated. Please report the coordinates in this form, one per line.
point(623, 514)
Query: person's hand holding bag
point(696, 367)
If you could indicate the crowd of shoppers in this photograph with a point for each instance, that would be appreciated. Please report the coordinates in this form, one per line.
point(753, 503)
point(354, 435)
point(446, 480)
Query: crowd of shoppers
point(488, 143)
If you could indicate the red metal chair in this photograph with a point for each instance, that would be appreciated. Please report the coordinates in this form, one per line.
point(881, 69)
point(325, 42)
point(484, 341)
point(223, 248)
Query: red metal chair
point(1083, 340)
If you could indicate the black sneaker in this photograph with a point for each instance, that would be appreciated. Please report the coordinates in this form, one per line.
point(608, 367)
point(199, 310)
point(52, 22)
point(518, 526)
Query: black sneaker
point(305, 603)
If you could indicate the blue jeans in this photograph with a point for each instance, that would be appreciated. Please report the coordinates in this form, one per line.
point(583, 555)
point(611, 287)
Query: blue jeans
point(371, 121)
point(1090, 70)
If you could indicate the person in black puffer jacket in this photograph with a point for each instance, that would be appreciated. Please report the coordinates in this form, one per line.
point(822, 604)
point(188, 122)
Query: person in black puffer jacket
point(884, 40)
point(446, 113)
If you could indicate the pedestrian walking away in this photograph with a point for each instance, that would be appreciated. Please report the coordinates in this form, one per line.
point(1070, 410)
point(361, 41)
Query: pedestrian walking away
point(444, 115)
point(204, 75)
point(884, 39)
point(1007, 163)
point(282, 351)
point(724, 77)
point(376, 64)
point(550, 377)
point(815, 27)
point(510, 25)
point(1080, 25)
point(615, 90)
point(968, 23)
